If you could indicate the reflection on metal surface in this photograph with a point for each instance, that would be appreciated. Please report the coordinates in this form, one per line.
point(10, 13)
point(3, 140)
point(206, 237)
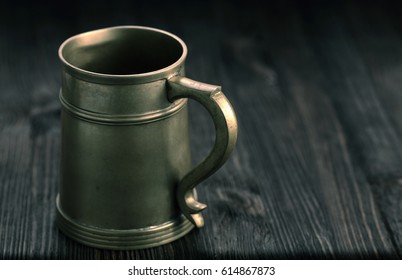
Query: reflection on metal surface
point(126, 175)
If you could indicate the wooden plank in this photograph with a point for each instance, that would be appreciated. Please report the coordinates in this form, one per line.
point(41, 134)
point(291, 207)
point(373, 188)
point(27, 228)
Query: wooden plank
point(15, 147)
point(292, 189)
point(389, 198)
point(15, 197)
point(339, 188)
point(352, 88)
point(379, 43)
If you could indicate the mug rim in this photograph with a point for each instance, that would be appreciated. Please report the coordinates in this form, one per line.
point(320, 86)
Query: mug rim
point(103, 78)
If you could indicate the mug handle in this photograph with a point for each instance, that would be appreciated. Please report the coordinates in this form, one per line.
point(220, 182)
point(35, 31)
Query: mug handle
point(224, 118)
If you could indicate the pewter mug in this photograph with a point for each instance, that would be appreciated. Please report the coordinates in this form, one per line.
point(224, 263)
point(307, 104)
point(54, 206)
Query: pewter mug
point(126, 175)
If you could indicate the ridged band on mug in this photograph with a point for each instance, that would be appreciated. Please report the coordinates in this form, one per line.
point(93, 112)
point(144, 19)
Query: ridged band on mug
point(123, 239)
point(122, 119)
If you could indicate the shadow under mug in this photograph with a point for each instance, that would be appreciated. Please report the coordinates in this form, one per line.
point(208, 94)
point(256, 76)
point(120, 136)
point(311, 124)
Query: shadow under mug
point(126, 175)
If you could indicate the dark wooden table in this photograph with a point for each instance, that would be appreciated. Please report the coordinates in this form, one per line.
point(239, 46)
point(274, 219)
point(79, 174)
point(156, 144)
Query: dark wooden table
point(317, 88)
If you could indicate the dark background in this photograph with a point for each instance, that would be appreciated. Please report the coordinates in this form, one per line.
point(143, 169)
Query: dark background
point(317, 87)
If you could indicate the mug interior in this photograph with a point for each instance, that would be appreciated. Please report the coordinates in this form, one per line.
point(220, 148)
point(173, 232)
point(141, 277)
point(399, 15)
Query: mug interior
point(122, 51)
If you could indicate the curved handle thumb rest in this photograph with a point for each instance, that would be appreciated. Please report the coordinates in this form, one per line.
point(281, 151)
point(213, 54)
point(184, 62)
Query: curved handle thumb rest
point(213, 99)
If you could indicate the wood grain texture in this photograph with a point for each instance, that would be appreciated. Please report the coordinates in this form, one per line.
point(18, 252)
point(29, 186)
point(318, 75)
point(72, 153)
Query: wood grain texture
point(316, 172)
point(389, 198)
point(351, 86)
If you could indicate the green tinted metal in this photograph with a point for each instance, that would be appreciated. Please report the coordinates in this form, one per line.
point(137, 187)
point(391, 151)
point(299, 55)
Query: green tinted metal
point(126, 175)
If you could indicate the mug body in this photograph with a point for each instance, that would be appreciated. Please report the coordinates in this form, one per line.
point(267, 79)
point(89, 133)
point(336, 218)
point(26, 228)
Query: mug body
point(125, 147)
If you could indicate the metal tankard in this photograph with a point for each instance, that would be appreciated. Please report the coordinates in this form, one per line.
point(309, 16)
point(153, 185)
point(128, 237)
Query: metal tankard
point(126, 175)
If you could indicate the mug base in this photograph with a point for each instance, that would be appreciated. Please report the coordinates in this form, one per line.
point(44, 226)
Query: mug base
point(130, 239)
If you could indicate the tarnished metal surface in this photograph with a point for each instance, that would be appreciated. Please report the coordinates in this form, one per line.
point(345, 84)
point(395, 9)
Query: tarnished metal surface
point(126, 175)
point(213, 99)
